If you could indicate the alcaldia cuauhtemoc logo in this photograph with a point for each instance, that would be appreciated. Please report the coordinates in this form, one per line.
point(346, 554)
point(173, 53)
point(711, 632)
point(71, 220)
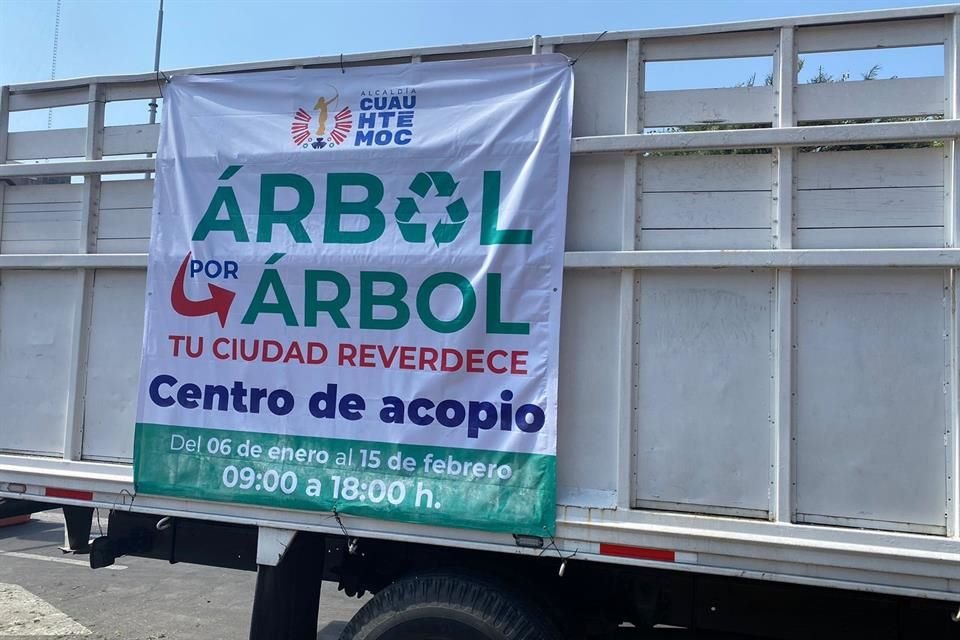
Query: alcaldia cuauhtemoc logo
point(322, 127)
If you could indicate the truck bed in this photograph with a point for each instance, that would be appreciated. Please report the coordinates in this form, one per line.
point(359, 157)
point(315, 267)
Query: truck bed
point(759, 340)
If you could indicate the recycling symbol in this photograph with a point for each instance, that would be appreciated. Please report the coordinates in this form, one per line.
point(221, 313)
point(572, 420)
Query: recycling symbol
point(444, 187)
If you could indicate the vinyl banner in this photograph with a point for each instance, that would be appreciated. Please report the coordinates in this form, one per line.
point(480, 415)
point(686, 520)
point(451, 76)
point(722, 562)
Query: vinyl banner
point(353, 296)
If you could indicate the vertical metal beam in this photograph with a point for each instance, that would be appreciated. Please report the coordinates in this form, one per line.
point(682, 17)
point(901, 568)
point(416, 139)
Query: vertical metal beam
point(951, 227)
point(627, 396)
point(4, 132)
point(781, 461)
point(83, 306)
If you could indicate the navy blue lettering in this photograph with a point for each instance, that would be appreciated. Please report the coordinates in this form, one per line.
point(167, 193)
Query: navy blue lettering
point(155, 385)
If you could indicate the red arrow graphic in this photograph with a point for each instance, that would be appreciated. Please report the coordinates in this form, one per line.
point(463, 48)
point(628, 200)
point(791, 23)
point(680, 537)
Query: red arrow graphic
point(219, 301)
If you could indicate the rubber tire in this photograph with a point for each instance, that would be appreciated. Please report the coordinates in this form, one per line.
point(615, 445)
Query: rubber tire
point(444, 606)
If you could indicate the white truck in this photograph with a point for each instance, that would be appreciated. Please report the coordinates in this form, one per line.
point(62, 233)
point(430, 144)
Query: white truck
point(759, 393)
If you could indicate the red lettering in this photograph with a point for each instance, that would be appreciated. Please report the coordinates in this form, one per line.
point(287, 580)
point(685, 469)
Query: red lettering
point(446, 355)
point(294, 353)
point(216, 351)
point(367, 353)
point(347, 355)
point(428, 358)
point(316, 353)
point(277, 349)
point(176, 344)
point(490, 361)
point(474, 360)
point(518, 362)
point(387, 360)
point(408, 357)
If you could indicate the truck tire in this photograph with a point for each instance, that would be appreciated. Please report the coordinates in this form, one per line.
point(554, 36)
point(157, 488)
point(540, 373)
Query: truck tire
point(445, 606)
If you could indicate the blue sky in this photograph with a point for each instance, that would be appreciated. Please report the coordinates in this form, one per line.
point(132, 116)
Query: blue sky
point(99, 37)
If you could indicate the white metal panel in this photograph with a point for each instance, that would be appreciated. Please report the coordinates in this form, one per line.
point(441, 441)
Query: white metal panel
point(130, 139)
point(696, 239)
point(741, 172)
point(745, 44)
point(116, 337)
point(123, 194)
point(42, 194)
point(595, 203)
point(600, 81)
point(125, 216)
point(118, 224)
point(869, 169)
point(871, 35)
point(589, 382)
point(882, 207)
point(36, 323)
point(53, 143)
point(869, 406)
point(869, 238)
point(805, 136)
point(706, 202)
point(869, 99)
point(461, 54)
point(704, 384)
point(875, 198)
point(707, 210)
point(60, 97)
point(708, 106)
point(123, 245)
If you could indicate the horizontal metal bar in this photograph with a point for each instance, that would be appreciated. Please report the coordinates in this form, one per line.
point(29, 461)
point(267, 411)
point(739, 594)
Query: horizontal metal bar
point(844, 134)
point(581, 38)
point(710, 258)
point(773, 258)
point(74, 261)
point(77, 168)
point(809, 136)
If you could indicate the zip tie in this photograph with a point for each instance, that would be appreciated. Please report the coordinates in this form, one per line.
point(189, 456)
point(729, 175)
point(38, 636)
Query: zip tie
point(590, 46)
point(563, 559)
point(351, 542)
point(123, 501)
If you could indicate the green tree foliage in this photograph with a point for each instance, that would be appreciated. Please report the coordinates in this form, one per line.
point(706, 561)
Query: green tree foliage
point(820, 77)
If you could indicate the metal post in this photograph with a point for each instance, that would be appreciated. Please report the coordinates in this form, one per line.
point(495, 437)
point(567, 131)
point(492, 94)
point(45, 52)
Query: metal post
point(781, 463)
point(951, 212)
point(156, 70)
point(156, 60)
point(629, 283)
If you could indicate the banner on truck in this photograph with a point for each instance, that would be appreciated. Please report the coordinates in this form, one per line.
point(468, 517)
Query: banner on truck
point(353, 296)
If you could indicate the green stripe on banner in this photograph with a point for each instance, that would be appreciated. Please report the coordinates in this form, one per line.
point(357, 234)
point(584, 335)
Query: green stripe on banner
point(475, 489)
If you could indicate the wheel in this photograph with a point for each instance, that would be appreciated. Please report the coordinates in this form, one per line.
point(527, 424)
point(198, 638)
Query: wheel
point(444, 606)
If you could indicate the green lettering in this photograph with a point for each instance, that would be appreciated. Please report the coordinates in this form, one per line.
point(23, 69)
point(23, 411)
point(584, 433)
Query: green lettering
point(370, 299)
point(490, 216)
point(494, 305)
point(291, 218)
point(463, 317)
point(223, 196)
point(312, 306)
point(270, 280)
point(337, 208)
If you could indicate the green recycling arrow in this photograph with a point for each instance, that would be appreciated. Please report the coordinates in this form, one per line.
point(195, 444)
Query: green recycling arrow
point(444, 186)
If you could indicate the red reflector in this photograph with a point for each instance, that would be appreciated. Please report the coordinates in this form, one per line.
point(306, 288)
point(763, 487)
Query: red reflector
point(68, 494)
point(661, 555)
